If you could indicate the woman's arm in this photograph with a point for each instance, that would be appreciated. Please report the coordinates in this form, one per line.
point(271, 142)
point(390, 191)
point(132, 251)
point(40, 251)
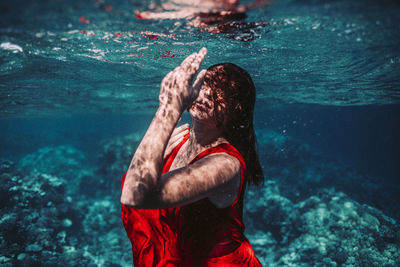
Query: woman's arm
point(216, 176)
point(163, 15)
point(176, 95)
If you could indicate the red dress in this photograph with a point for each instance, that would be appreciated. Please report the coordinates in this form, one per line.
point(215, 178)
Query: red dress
point(197, 234)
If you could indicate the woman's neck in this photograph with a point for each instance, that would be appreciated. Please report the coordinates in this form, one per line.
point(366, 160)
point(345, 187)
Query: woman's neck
point(203, 136)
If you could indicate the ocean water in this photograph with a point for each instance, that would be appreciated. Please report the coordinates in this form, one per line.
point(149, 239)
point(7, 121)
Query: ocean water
point(79, 82)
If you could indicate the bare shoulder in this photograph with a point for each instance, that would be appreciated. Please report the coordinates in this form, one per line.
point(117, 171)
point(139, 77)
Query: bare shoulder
point(225, 194)
point(220, 160)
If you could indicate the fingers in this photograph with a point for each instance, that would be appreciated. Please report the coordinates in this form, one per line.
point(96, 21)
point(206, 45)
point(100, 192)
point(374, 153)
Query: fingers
point(179, 134)
point(198, 83)
point(178, 83)
point(171, 146)
point(168, 76)
point(200, 56)
point(188, 61)
point(192, 63)
point(181, 128)
point(176, 137)
point(198, 60)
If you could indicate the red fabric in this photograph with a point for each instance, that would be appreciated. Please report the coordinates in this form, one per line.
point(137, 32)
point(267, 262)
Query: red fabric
point(242, 256)
point(211, 236)
point(170, 158)
point(197, 234)
point(149, 230)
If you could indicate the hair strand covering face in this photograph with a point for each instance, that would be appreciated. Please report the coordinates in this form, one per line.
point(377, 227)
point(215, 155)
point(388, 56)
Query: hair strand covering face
point(234, 96)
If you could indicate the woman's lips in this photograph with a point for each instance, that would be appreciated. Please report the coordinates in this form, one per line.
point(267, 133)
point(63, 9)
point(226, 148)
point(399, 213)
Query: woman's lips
point(202, 106)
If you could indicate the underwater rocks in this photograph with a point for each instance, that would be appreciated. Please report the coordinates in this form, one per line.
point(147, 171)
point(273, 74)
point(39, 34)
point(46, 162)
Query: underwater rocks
point(115, 158)
point(39, 224)
point(57, 210)
point(59, 160)
point(301, 172)
point(300, 218)
point(106, 240)
point(50, 219)
point(65, 162)
point(329, 229)
point(45, 224)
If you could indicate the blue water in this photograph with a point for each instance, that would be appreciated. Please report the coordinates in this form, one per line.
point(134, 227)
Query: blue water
point(328, 105)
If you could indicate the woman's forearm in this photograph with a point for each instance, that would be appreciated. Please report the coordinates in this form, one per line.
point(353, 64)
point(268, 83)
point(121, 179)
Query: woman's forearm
point(146, 165)
point(176, 94)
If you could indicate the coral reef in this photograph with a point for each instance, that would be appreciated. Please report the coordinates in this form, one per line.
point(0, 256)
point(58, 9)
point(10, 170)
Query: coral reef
point(50, 216)
point(59, 210)
point(300, 172)
point(66, 162)
point(40, 226)
point(329, 229)
point(114, 160)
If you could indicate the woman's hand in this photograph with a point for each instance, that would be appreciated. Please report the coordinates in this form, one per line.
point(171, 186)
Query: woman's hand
point(177, 90)
point(176, 137)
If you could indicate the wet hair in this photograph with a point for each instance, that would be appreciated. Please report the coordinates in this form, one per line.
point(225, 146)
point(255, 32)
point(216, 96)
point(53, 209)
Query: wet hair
point(234, 95)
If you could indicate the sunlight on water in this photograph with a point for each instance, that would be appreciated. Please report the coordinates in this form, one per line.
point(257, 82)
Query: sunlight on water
point(94, 58)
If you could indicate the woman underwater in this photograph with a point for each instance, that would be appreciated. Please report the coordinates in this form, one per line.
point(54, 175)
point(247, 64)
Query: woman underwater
point(182, 196)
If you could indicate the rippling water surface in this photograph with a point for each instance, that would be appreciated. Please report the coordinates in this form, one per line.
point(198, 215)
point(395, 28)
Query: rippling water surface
point(63, 56)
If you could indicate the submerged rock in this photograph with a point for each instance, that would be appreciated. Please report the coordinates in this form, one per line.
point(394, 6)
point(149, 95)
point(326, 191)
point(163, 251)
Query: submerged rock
point(330, 229)
point(57, 211)
point(114, 160)
point(50, 220)
point(33, 213)
point(301, 172)
point(65, 162)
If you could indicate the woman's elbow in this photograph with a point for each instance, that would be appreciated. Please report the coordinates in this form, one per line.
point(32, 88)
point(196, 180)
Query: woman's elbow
point(134, 196)
point(127, 200)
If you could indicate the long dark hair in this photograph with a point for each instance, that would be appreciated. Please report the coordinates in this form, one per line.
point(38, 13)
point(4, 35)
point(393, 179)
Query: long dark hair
point(235, 93)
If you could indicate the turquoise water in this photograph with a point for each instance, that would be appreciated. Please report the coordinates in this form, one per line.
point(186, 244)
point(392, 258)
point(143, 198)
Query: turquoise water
point(79, 82)
point(319, 52)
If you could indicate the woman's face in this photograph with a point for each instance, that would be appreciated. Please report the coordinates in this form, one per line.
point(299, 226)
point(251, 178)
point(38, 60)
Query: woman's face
point(202, 109)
